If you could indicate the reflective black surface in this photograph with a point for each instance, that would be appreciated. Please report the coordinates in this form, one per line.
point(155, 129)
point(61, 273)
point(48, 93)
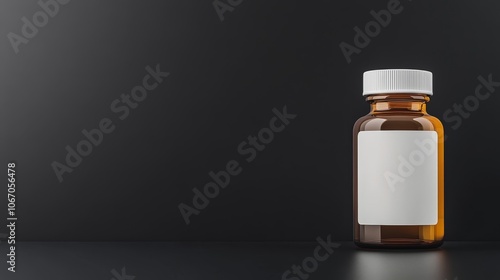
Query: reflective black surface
point(54, 261)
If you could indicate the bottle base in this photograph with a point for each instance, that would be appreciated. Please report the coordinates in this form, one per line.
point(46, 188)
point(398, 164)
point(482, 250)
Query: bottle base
point(400, 243)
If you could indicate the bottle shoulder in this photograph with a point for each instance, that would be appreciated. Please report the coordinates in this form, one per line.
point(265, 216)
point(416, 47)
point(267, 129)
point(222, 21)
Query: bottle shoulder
point(398, 122)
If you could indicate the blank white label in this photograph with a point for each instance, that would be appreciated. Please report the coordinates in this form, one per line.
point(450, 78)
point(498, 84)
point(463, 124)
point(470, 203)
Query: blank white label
point(397, 177)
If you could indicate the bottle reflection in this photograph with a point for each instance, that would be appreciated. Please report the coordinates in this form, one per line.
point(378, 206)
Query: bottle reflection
point(398, 265)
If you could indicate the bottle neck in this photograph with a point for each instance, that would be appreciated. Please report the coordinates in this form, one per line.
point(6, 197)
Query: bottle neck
point(398, 103)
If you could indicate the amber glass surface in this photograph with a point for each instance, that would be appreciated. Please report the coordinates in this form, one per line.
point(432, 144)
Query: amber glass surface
point(399, 112)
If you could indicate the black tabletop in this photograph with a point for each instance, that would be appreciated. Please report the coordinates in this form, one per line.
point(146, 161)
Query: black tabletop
point(248, 260)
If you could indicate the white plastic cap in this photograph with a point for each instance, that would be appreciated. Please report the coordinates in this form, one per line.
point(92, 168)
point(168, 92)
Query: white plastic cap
point(397, 81)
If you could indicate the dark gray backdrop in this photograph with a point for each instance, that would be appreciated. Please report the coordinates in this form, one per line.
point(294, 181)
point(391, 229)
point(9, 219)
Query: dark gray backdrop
point(225, 79)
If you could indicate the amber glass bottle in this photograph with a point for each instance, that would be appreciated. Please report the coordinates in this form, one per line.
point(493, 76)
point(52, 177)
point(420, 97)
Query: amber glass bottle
point(398, 156)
